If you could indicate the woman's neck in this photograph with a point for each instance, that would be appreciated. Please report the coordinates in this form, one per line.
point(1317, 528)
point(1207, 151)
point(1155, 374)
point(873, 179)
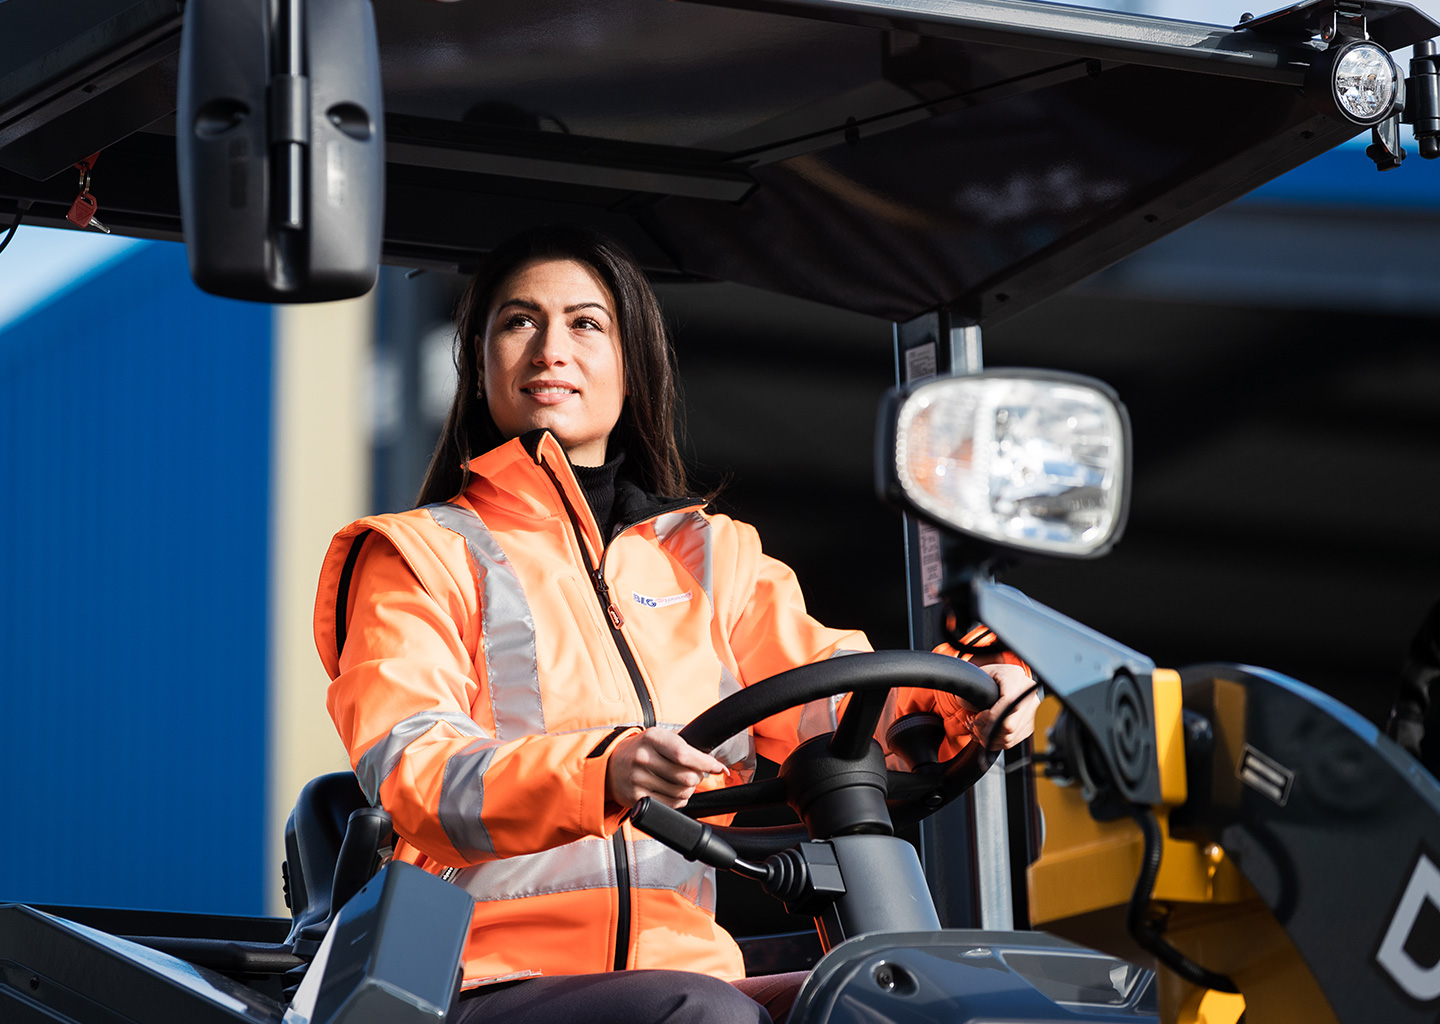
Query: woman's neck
point(598, 483)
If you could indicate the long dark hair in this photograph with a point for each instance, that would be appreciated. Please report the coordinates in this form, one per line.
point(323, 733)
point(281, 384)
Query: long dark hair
point(646, 429)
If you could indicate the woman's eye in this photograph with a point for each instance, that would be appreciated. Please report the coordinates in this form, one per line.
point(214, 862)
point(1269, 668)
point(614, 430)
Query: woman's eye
point(517, 321)
point(585, 323)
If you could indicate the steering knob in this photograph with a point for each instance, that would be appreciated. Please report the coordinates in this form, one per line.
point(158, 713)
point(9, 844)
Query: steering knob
point(916, 739)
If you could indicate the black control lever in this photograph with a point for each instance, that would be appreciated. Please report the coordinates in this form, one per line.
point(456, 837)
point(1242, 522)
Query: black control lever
point(806, 877)
point(693, 840)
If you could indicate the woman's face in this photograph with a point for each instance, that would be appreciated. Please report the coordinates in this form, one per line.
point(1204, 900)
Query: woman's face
point(551, 357)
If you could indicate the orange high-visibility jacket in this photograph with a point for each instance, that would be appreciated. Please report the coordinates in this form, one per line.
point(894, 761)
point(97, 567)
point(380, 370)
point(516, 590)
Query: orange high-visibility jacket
point(486, 655)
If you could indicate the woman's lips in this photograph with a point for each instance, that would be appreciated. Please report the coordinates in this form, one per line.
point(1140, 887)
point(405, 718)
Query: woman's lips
point(550, 392)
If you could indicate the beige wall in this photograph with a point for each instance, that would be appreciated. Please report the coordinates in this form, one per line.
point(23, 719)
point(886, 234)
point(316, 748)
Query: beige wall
point(320, 465)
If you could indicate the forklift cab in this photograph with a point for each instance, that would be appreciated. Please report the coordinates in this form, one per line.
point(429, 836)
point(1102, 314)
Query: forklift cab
point(941, 166)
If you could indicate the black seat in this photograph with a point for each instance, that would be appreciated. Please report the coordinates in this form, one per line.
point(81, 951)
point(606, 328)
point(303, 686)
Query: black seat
point(334, 842)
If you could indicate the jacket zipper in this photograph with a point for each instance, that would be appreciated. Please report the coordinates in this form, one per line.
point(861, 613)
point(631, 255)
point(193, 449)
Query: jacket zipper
point(614, 620)
point(611, 612)
point(622, 886)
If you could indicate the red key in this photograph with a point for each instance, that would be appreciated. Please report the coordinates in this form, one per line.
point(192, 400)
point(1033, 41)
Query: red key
point(82, 210)
point(82, 213)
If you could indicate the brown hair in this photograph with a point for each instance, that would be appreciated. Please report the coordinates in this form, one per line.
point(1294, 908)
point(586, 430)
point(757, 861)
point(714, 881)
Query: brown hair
point(646, 429)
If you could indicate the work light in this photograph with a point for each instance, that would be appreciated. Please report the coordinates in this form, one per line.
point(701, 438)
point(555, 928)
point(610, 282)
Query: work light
point(1362, 83)
point(1025, 460)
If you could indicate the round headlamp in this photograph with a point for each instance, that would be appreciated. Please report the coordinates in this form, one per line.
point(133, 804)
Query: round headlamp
point(1363, 84)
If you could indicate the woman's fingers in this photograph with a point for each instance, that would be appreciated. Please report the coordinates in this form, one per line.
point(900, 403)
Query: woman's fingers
point(669, 746)
point(1020, 723)
point(659, 764)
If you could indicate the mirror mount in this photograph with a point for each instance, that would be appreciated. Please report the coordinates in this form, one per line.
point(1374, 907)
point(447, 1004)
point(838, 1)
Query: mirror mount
point(1106, 687)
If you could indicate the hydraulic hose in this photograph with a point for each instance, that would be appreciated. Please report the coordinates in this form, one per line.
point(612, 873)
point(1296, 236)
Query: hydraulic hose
point(1138, 921)
point(21, 208)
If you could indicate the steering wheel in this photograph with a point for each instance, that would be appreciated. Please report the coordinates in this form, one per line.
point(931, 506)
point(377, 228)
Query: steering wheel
point(910, 795)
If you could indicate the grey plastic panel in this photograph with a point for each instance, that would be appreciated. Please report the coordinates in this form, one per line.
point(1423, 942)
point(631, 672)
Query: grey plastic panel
point(395, 953)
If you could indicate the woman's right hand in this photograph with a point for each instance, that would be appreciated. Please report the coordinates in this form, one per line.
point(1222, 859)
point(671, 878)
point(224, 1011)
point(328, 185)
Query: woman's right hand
point(657, 763)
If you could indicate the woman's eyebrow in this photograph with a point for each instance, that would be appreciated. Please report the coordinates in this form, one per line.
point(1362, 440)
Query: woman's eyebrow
point(535, 306)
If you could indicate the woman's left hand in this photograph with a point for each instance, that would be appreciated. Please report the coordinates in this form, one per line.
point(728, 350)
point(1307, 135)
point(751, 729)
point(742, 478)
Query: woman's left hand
point(1020, 723)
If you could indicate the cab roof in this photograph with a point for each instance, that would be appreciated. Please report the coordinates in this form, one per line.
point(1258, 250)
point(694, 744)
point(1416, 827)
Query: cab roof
point(885, 156)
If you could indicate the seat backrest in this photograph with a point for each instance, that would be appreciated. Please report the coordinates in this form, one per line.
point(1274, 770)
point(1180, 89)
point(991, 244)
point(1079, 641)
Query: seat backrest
point(314, 838)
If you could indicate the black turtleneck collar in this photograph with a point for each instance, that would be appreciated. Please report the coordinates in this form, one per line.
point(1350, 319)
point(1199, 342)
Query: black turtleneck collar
point(598, 483)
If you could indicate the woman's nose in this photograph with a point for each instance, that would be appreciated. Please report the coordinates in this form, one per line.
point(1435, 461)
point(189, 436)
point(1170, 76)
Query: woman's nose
point(552, 345)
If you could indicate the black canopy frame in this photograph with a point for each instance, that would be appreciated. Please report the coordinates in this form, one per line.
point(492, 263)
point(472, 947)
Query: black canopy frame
point(891, 157)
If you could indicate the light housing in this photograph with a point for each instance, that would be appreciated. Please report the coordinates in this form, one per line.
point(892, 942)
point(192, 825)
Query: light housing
point(1359, 81)
point(1028, 461)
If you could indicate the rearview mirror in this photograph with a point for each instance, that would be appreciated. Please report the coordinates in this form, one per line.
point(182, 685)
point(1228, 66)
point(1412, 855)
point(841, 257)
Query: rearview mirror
point(1028, 461)
point(279, 140)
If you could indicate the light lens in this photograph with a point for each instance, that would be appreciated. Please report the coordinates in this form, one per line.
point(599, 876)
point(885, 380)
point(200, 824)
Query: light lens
point(1033, 463)
point(1364, 81)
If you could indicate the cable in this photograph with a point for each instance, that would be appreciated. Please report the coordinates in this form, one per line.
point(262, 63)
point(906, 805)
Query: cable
point(1008, 708)
point(1138, 922)
point(22, 206)
point(1033, 761)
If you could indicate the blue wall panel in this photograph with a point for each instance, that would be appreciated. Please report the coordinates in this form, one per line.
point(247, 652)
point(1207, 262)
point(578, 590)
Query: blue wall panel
point(134, 495)
point(1346, 177)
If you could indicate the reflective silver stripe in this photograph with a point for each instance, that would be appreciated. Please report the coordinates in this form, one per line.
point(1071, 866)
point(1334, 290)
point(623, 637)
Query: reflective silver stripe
point(379, 761)
point(728, 683)
point(738, 753)
point(818, 717)
point(653, 865)
point(583, 864)
point(588, 864)
point(462, 797)
point(686, 535)
point(508, 628)
point(821, 716)
point(739, 750)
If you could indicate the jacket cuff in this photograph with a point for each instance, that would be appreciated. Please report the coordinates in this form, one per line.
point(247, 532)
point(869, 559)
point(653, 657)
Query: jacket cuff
point(598, 815)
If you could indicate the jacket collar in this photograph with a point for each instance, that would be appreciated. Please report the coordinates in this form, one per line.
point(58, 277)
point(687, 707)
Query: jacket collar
point(522, 475)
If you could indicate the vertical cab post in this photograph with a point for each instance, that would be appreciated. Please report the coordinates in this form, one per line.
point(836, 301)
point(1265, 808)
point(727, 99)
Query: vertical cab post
point(973, 831)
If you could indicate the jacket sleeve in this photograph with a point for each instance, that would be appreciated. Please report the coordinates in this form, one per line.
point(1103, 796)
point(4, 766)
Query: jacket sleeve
point(956, 714)
point(407, 702)
point(770, 631)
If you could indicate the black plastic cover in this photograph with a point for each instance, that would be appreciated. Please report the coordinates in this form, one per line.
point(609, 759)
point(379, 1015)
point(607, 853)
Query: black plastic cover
point(254, 227)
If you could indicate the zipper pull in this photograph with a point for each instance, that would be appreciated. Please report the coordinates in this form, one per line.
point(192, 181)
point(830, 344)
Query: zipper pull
point(603, 589)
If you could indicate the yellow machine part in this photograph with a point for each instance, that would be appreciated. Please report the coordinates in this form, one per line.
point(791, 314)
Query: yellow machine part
point(1087, 865)
point(1080, 888)
point(1219, 1008)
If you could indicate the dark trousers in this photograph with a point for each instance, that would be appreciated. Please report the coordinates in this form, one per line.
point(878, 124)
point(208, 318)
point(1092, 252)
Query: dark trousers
point(631, 997)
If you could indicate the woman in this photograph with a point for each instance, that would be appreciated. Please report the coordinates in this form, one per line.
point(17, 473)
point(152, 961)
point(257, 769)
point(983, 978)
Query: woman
point(512, 659)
